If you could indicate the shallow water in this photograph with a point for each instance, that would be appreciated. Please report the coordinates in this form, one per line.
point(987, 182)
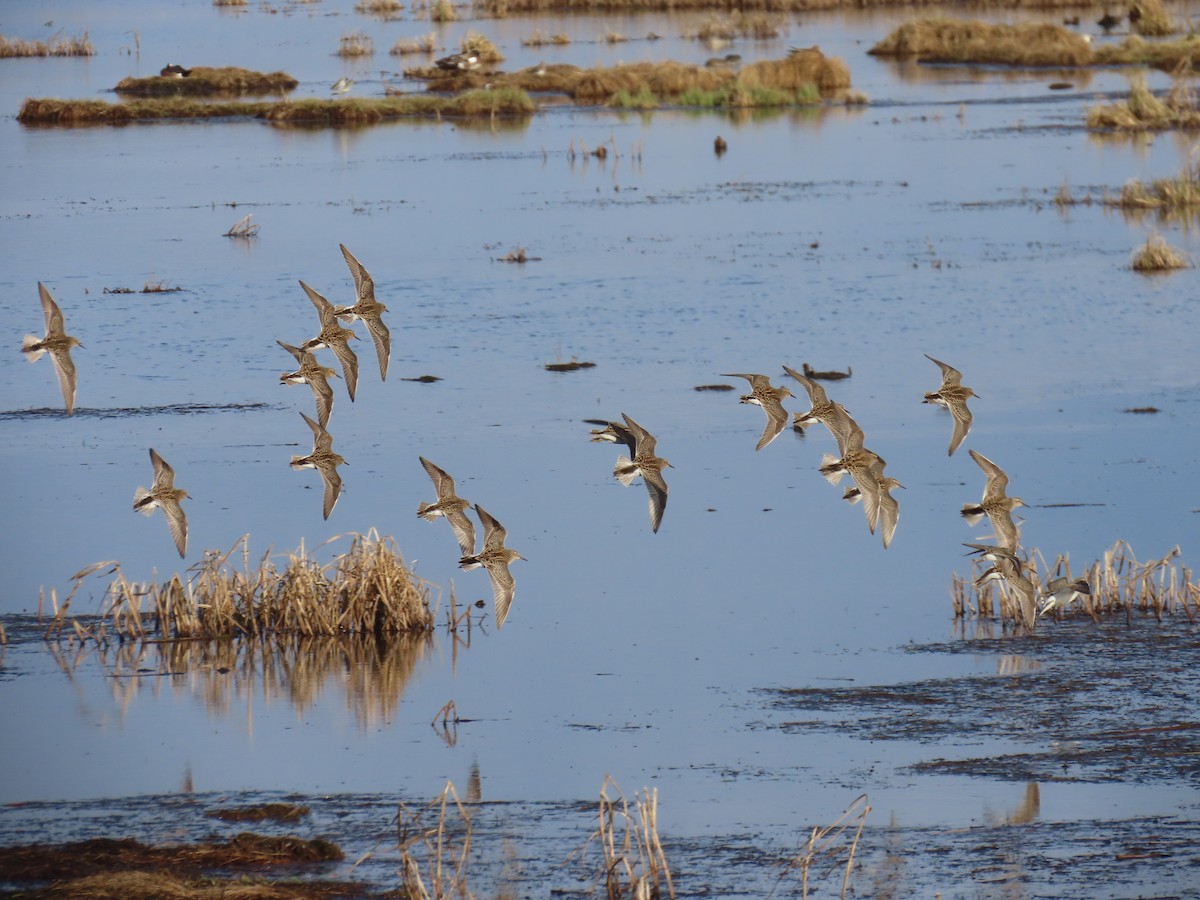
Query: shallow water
point(861, 238)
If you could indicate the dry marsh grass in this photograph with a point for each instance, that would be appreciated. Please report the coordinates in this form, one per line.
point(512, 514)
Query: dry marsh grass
point(14, 48)
point(314, 112)
point(1120, 584)
point(501, 8)
point(758, 26)
point(443, 11)
point(1177, 195)
point(481, 46)
point(1150, 18)
point(958, 41)
point(426, 43)
point(824, 846)
point(367, 589)
point(1144, 111)
point(1166, 55)
point(386, 8)
point(539, 38)
point(633, 863)
point(205, 81)
point(356, 44)
point(1156, 255)
point(435, 847)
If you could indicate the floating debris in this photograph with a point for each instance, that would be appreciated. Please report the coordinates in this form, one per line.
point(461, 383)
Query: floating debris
point(1143, 410)
point(243, 228)
point(569, 366)
point(832, 375)
point(713, 387)
point(424, 379)
point(517, 256)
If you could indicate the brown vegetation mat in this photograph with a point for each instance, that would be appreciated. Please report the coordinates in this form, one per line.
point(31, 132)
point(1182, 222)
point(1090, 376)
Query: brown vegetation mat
point(502, 8)
point(12, 48)
point(957, 41)
point(207, 82)
point(670, 81)
point(304, 112)
point(1142, 110)
point(938, 40)
point(43, 862)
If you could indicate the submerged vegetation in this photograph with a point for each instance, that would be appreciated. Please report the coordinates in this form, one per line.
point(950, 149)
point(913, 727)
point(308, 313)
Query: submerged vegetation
point(1119, 583)
point(365, 590)
point(11, 48)
point(204, 81)
point(312, 111)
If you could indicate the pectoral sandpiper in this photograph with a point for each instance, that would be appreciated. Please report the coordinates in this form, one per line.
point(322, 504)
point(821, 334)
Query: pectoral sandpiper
point(649, 466)
point(449, 505)
point(58, 344)
point(996, 504)
point(494, 557)
point(335, 337)
point(953, 396)
point(369, 310)
point(165, 496)
point(325, 461)
point(769, 398)
point(315, 375)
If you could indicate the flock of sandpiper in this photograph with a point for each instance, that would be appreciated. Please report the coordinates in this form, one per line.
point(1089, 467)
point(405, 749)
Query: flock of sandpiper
point(865, 467)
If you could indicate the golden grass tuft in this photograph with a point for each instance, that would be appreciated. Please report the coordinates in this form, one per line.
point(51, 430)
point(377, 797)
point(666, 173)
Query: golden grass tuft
point(1177, 197)
point(1135, 51)
point(443, 11)
point(758, 26)
point(801, 67)
point(1120, 585)
point(205, 81)
point(1150, 18)
point(13, 48)
point(365, 590)
point(958, 41)
point(1156, 255)
point(481, 46)
point(539, 38)
point(426, 43)
point(379, 7)
point(825, 843)
point(355, 43)
point(1143, 111)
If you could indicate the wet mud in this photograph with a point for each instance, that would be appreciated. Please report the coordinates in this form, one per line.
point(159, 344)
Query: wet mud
point(1093, 703)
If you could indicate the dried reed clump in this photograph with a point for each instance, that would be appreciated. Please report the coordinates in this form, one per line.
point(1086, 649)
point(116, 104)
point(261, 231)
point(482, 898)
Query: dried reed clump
point(365, 590)
point(481, 46)
point(808, 66)
point(11, 48)
point(443, 11)
point(1135, 51)
point(634, 864)
point(1119, 582)
point(1156, 255)
point(756, 25)
point(1170, 197)
point(230, 2)
point(356, 43)
point(435, 846)
point(1150, 18)
point(539, 38)
point(206, 81)
point(426, 43)
point(1143, 111)
point(379, 7)
point(959, 41)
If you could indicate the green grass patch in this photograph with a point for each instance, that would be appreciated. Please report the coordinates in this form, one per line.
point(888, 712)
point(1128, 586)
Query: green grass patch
point(642, 99)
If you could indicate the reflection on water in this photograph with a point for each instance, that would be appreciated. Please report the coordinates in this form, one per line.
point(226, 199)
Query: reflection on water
point(371, 673)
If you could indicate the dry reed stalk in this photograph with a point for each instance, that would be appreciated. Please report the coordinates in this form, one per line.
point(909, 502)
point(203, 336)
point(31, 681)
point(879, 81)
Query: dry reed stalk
point(826, 842)
point(243, 228)
point(634, 863)
point(443, 11)
point(445, 866)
